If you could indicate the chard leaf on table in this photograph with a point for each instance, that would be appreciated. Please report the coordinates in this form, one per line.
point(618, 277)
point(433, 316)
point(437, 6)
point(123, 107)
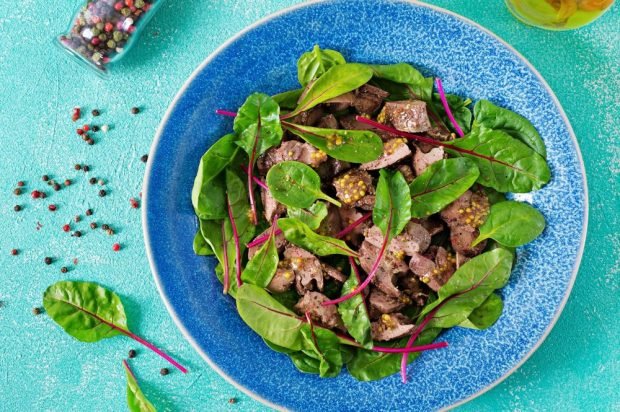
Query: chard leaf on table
point(356, 146)
point(295, 184)
point(268, 318)
point(485, 315)
point(506, 164)
point(441, 184)
point(262, 267)
point(367, 365)
point(392, 209)
point(338, 80)
point(288, 100)
point(418, 86)
point(354, 313)
point(324, 345)
point(298, 233)
point(208, 192)
point(136, 400)
point(459, 109)
point(487, 115)
point(313, 64)
point(469, 287)
point(312, 216)
point(511, 224)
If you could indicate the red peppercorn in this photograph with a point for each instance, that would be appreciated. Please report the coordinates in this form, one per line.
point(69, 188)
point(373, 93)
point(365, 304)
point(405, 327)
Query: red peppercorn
point(20, 184)
point(66, 228)
point(52, 208)
point(134, 203)
point(76, 114)
point(14, 252)
point(108, 28)
point(128, 3)
point(116, 247)
point(80, 131)
point(67, 182)
point(95, 41)
point(86, 127)
point(118, 6)
point(35, 194)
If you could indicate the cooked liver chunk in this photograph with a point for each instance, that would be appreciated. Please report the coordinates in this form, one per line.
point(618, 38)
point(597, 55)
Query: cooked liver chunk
point(463, 217)
point(368, 99)
point(392, 326)
point(290, 150)
point(326, 316)
point(394, 150)
point(407, 115)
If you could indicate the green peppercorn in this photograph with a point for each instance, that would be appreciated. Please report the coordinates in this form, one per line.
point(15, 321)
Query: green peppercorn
point(117, 36)
point(95, 31)
point(100, 25)
point(125, 11)
point(111, 44)
point(139, 3)
point(102, 37)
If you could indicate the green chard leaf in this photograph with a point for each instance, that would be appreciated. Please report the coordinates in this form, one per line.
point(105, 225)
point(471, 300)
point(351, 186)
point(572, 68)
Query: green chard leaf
point(441, 184)
point(200, 245)
point(298, 233)
point(277, 348)
point(487, 115)
point(295, 184)
point(392, 209)
point(506, 164)
point(354, 314)
point(238, 198)
point(512, 224)
point(268, 318)
point(338, 80)
point(356, 146)
point(136, 400)
point(418, 86)
point(324, 345)
point(459, 109)
point(288, 100)
point(313, 64)
point(485, 315)
point(306, 363)
point(262, 267)
point(312, 216)
point(258, 124)
point(367, 365)
point(469, 287)
point(208, 192)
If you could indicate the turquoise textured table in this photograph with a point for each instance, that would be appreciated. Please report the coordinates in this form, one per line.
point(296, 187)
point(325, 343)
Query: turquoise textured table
point(42, 368)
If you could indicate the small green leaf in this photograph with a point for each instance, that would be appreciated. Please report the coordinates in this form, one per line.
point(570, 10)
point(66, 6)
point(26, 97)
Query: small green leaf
point(268, 318)
point(295, 184)
point(288, 100)
point(298, 233)
point(441, 184)
point(324, 345)
point(306, 363)
point(338, 80)
point(354, 314)
point(312, 216)
point(356, 146)
point(458, 108)
point(313, 64)
point(392, 209)
point(262, 267)
point(258, 125)
point(485, 315)
point(136, 400)
point(200, 245)
point(490, 116)
point(418, 86)
point(512, 224)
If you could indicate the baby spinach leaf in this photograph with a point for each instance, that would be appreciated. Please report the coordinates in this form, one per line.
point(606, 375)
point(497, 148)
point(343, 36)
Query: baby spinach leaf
point(324, 345)
point(295, 184)
point(298, 233)
point(136, 400)
point(90, 312)
point(288, 100)
point(354, 314)
point(208, 192)
point(418, 86)
point(506, 164)
point(313, 64)
point(512, 224)
point(338, 80)
point(485, 315)
point(459, 109)
point(268, 318)
point(258, 124)
point(200, 245)
point(469, 287)
point(357, 146)
point(441, 184)
point(305, 363)
point(392, 209)
point(312, 216)
point(490, 116)
point(262, 267)
point(367, 365)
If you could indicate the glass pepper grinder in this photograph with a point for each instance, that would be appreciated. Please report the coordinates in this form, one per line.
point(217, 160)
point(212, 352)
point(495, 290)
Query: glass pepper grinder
point(103, 31)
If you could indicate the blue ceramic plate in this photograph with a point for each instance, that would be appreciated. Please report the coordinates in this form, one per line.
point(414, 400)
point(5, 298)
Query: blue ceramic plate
point(472, 62)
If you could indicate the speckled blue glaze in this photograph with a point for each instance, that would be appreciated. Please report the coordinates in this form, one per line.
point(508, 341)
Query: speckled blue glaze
point(471, 62)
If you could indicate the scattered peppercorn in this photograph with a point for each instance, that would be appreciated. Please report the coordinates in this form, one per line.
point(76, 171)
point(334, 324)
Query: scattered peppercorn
point(101, 182)
point(110, 232)
point(77, 233)
point(92, 180)
point(144, 158)
point(164, 371)
point(86, 127)
point(232, 400)
point(36, 311)
point(102, 193)
point(48, 260)
point(64, 269)
point(77, 166)
point(105, 128)
point(66, 228)
point(35, 194)
point(116, 247)
point(90, 141)
point(56, 187)
point(95, 112)
point(45, 178)
point(135, 110)
point(105, 227)
point(14, 252)
point(86, 168)
point(77, 218)
point(20, 184)
point(93, 225)
point(17, 191)
point(134, 203)
point(76, 114)
point(80, 132)
point(132, 353)
point(17, 208)
point(85, 137)
point(43, 195)
point(89, 212)
point(95, 128)
point(52, 207)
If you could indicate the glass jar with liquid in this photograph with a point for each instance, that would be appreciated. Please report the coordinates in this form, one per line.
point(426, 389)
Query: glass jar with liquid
point(558, 14)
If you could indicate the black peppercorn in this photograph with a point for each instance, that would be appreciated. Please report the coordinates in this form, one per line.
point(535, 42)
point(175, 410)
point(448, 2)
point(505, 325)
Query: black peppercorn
point(232, 400)
point(48, 260)
point(77, 233)
point(89, 212)
point(36, 311)
point(17, 191)
point(64, 269)
point(92, 180)
point(90, 141)
point(56, 187)
point(105, 227)
point(135, 110)
point(20, 184)
point(132, 353)
point(144, 158)
point(17, 208)
point(95, 112)
point(77, 166)
point(102, 193)
point(86, 168)
point(95, 128)
point(46, 178)
point(93, 225)
point(164, 371)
